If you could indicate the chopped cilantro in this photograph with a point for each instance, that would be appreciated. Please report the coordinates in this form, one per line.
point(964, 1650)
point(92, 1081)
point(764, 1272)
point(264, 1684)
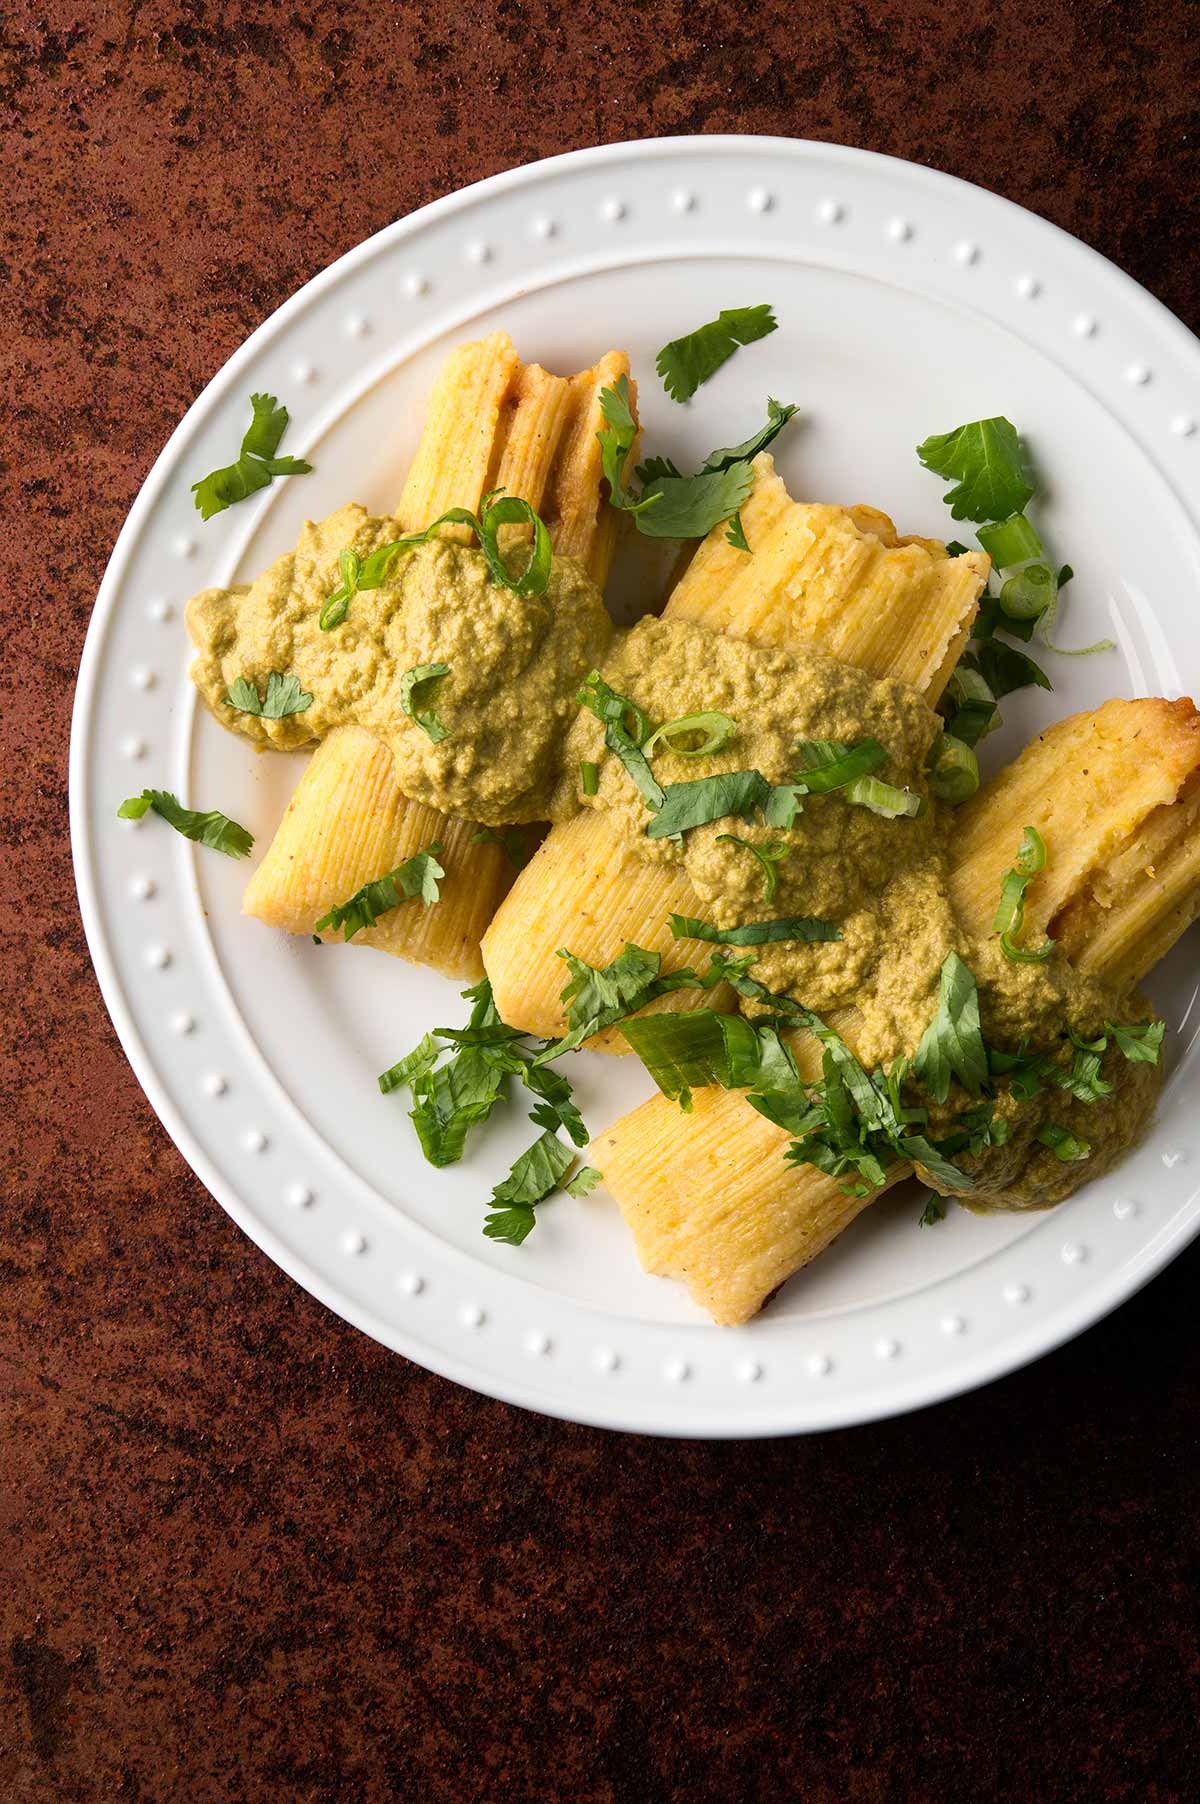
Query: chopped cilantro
point(257, 464)
point(212, 829)
point(417, 876)
point(686, 363)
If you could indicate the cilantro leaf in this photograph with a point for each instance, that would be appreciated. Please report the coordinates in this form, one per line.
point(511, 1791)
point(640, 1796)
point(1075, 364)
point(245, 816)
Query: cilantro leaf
point(419, 677)
point(1140, 1044)
point(672, 505)
point(778, 416)
point(283, 696)
point(736, 536)
point(212, 829)
point(584, 1181)
point(705, 799)
point(1005, 669)
point(417, 876)
point(984, 457)
point(512, 1225)
point(952, 1044)
point(755, 933)
point(267, 427)
point(534, 1175)
point(510, 840)
point(687, 507)
point(934, 1210)
point(256, 465)
point(686, 363)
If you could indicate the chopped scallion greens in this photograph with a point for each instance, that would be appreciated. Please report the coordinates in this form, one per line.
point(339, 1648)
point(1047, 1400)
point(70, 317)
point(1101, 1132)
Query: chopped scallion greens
point(1063, 1143)
point(371, 572)
point(1009, 542)
point(955, 774)
point(717, 730)
point(769, 855)
point(613, 709)
point(589, 777)
point(1010, 915)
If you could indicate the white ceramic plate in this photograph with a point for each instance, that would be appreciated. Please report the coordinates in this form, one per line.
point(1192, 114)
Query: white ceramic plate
point(907, 302)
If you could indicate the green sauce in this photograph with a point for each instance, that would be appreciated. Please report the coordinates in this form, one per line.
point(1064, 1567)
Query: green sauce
point(516, 742)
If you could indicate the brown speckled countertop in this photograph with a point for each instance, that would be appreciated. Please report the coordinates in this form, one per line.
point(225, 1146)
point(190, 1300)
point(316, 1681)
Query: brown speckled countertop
point(245, 1554)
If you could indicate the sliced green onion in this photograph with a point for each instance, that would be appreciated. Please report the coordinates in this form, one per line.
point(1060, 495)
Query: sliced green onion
point(975, 713)
point(718, 729)
point(884, 798)
point(955, 776)
point(1063, 1143)
point(828, 764)
point(1009, 542)
point(589, 776)
point(1010, 915)
point(768, 856)
point(611, 707)
point(510, 510)
point(1027, 594)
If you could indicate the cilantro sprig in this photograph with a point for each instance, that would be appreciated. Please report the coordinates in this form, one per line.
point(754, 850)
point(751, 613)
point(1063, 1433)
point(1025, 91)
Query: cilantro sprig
point(211, 829)
point(686, 363)
point(671, 505)
point(256, 465)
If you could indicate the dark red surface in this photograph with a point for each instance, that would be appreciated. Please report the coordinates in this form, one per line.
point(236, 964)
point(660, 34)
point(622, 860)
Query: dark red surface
point(247, 1554)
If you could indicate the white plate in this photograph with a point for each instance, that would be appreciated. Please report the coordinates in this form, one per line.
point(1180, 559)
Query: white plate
point(907, 302)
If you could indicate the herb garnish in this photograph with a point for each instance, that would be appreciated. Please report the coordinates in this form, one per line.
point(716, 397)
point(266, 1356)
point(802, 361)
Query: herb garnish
point(612, 709)
point(830, 764)
point(671, 505)
point(359, 573)
point(773, 852)
point(1010, 916)
point(993, 488)
point(717, 730)
point(417, 876)
point(256, 465)
point(536, 1172)
point(510, 840)
point(805, 928)
point(283, 696)
point(686, 363)
point(695, 803)
point(423, 676)
point(985, 458)
point(212, 829)
point(1065, 1145)
point(952, 1044)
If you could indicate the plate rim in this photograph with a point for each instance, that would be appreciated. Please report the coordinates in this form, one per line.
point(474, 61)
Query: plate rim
point(1019, 1347)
